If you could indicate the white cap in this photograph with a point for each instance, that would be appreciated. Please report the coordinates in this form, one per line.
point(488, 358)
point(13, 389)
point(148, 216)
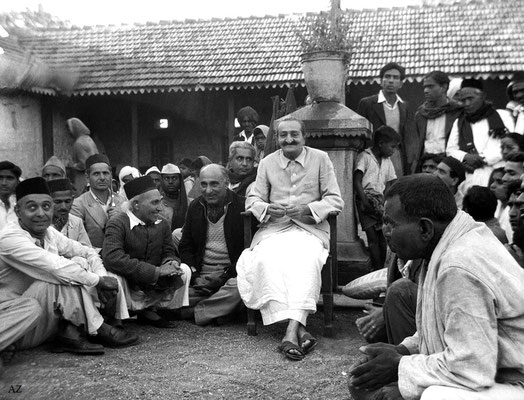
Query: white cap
point(152, 169)
point(170, 169)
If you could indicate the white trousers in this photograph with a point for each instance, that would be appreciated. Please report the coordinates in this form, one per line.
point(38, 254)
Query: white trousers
point(498, 391)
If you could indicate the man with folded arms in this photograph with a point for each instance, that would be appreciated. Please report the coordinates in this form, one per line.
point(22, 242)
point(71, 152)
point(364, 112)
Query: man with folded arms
point(138, 248)
point(37, 261)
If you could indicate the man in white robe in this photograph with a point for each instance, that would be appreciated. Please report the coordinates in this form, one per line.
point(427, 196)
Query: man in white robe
point(280, 274)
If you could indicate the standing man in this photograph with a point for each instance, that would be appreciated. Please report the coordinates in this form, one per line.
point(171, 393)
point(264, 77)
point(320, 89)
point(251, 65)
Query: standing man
point(247, 117)
point(515, 91)
point(387, 108)
point(212, 241)
point(156, 176)
point(293, 194)
point(434, 118)
point(65, 277)
point(69, 225)
point(475, 138)
point(470, 311)
point(260, 133)
point(139, 249)
point(9, 178)
point(99, 203)
point(241, 170)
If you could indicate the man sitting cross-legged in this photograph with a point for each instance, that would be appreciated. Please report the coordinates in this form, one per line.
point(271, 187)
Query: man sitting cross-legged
point(212, 241)
point(469, 342)
point(139, 249)
point(39, 262)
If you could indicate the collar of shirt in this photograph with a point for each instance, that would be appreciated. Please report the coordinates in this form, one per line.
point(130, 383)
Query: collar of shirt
point(382, 99)
point(12, 202)
point(108, 202)
point(284, 161)
point(243, 134)
point(135, 221)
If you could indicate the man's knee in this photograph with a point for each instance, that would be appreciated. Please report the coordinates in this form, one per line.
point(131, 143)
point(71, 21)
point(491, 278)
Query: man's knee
point(401, 289)
point(435, 393)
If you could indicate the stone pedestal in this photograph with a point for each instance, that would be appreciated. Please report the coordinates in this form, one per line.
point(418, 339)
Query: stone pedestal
point(341, 132)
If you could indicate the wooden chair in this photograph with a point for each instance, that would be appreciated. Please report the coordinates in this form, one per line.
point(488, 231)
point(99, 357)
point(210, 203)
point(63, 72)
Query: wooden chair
point(329, 274)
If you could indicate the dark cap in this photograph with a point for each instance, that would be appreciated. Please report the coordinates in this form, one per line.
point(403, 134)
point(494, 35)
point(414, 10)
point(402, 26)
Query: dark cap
point(472, 83)
point(36, 185)
point(8, 165)
point(59, 185)
point(456, 166)
point(138, 186)
point(97, 158)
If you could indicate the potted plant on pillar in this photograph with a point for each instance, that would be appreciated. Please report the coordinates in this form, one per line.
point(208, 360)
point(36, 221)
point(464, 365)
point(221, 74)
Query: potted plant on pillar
point(326, 53)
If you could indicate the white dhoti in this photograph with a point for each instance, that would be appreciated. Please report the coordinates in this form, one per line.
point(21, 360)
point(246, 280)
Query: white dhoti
point(163, 299)
point(281, 275)
point(17, 317)
point(501, 391)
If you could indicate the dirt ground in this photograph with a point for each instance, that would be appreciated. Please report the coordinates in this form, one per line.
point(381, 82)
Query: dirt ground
point(191, 362)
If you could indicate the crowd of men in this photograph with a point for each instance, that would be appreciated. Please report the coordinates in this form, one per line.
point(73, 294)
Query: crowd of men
point(438, 193)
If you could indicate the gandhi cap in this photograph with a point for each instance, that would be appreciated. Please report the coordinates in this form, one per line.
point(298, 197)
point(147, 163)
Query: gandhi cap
point(36, 185)
point(170, 169)
point(59, 185)
point(138, 186)
point(96, 159)
point(152, 170)
point(472, 83)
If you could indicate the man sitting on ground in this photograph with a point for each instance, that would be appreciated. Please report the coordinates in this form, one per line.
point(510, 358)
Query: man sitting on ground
point(69, 225)
point(452, 173)
point(139, 249)
point(9, 178)
point(481, 203)
point(241, 169)
point(293, 194)
point(212, 241)
point(37, 261)
point(470, 313)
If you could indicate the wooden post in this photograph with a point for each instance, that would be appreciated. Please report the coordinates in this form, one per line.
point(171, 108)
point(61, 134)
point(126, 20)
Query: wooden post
point(134, 133)
point(230, 124)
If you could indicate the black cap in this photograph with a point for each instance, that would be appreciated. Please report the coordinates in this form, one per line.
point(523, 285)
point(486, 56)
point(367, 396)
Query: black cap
point(8, 165)
point(472, 83)
point(97, 158)
point(138, 186)
point(36, 185)
point(59, 185)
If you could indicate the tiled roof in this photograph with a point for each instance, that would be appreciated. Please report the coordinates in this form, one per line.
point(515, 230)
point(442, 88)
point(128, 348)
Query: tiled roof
point(483, 39)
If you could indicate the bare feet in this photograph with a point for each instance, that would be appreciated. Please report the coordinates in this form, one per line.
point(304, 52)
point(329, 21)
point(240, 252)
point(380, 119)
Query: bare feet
point(369, 325)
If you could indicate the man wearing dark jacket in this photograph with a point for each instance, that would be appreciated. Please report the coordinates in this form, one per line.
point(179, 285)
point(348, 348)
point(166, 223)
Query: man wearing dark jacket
point(212, 240)
point(387, 108)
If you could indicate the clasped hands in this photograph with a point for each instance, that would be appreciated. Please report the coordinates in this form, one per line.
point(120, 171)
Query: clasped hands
point(170, 268)
point(107, 288)
point(296, 211)
point(376, 368)
point(473, 162)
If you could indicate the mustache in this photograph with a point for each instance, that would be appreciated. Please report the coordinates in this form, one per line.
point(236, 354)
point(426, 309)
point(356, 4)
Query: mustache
point(290, 143)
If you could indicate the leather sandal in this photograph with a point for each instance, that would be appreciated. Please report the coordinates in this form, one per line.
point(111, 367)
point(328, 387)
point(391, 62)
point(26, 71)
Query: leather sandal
point(307, 347)
point(286, 347)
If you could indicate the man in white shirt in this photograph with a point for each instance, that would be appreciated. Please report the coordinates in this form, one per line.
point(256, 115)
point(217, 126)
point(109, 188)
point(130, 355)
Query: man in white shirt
point(476, 135)
point(515, 107)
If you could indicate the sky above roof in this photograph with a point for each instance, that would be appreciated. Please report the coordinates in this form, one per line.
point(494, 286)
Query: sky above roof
point(105, 12)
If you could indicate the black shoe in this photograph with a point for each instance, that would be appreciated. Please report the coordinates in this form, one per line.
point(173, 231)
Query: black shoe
point(79, 345)
point(117, 337)
point(158, 323)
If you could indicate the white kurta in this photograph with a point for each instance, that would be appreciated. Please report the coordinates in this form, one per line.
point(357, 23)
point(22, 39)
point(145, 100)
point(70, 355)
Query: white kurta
point(488, 148)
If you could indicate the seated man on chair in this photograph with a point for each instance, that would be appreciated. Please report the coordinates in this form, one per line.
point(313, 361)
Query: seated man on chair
point(138, 248)
point(212, 241)
point(280, 274)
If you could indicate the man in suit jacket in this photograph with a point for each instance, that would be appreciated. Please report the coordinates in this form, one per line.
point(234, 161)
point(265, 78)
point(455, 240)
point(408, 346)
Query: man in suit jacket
point(387, 108)
point(99, 203)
